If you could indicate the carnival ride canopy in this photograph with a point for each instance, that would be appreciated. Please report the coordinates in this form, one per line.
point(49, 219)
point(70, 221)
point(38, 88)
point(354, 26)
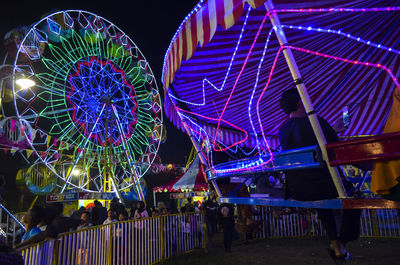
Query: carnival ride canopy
point(192, 180)
point(224, 71)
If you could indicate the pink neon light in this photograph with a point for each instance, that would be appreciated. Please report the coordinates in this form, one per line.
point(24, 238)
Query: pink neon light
point(237, 79)
point(379, 66)
point(219, 119)
point(383, 67)
point(314, 10)
point(262, 93)
point(210, 162)
point(201, 151)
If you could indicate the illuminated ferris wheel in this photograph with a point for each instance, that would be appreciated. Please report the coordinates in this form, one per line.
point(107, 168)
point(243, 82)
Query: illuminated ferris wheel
point(95, 111)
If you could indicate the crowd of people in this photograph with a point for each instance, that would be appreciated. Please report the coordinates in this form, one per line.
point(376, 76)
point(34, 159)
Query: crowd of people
point(302, 185)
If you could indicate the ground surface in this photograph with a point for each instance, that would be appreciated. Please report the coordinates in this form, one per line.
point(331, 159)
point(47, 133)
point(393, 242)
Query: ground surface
point(308, 251)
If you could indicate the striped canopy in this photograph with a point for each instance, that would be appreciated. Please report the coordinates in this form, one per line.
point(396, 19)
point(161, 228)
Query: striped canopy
point(192, 180)
point(224, 71)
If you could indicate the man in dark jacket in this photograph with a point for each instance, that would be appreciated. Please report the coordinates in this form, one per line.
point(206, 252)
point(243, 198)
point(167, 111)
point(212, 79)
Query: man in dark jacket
point(315, 184)
point(226, 213)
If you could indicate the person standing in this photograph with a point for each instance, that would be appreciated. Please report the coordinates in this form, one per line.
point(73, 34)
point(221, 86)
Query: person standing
point(99, 213)
point(211, 216)
point(112, 217)
point(85, 221)
point(30, 220)
point(315, 184)
point(226, 212)
point(140, 212)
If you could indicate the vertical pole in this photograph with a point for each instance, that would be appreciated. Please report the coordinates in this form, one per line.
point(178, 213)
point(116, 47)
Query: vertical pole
point(202, 158)
point(162, 237)
point(291, 62)
point(109, 228)
point(198, 149)
point(154, 200)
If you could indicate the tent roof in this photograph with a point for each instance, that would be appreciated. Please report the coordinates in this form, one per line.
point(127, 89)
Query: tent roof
point(224, 70)
point(193, 179)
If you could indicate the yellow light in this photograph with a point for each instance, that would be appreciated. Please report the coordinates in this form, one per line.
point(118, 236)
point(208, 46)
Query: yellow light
point(25, 83)
point(76, 172)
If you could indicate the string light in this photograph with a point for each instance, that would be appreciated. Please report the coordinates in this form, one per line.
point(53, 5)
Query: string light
point(205, 80)
point(347, 35)
point(319, 10)
point(202, 133)
point(240, 73)
point(197, 8)
point(380, 66)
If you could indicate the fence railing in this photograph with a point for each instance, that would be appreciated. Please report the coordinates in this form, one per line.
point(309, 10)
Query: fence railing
point(10, 227)
point(301, 223)
point(152, 240)
point(139, 242)
point(39, 254)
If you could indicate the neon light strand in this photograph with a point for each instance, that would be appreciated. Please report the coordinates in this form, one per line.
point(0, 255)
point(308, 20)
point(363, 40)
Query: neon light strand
point(379, 66)
point(262, 93)
point(219, 119)
point(243, 166)
point(248, 166)
point(88, 62)
point(240, 73)
point(254, 90)
point(205, 80)
point(286, 10)
point(347, 35)
point(316, 10)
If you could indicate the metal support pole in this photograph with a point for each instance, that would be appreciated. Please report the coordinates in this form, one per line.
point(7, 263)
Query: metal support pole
point(199, 153)
point(294, 70)
point(202, 158)
point(154, 200)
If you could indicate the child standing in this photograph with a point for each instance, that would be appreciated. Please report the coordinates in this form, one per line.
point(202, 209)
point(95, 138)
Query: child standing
point(228, 224)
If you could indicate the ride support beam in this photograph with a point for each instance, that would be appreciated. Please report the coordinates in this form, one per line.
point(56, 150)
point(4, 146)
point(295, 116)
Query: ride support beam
point(198, 149)
point(202, 158)
point(294, 70)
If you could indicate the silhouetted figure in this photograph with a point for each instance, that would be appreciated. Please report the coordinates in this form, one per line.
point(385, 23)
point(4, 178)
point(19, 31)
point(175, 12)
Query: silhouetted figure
point(315, 184)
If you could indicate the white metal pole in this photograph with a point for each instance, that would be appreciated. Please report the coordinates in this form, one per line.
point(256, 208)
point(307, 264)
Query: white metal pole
point(154, 200)
point(198, 149)
point(304, 96)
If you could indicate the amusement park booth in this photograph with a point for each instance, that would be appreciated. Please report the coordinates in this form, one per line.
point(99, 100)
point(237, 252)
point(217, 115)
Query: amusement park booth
point(191, 184)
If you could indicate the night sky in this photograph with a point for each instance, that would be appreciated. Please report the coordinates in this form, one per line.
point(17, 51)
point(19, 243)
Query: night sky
point(150, 24)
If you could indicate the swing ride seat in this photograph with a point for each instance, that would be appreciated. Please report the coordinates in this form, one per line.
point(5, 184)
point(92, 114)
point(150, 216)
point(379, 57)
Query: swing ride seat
point(345, 203)
point(365, 149)
point(300, 158)
point(304, 158)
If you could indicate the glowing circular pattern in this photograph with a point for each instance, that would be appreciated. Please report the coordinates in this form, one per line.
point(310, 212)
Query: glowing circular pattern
point(95, 108)
point(94, 84)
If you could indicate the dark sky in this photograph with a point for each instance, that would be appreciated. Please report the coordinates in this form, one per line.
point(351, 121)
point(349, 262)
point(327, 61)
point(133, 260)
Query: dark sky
point(150, 24)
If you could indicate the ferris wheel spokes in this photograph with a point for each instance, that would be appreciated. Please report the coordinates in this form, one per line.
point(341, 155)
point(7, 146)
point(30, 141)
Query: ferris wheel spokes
point(138, 189)
point(77, 59)
point(83, 148)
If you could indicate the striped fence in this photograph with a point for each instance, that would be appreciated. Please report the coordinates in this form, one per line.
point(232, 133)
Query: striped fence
point(382, 223)
point(152, 240)
point(138, 242)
